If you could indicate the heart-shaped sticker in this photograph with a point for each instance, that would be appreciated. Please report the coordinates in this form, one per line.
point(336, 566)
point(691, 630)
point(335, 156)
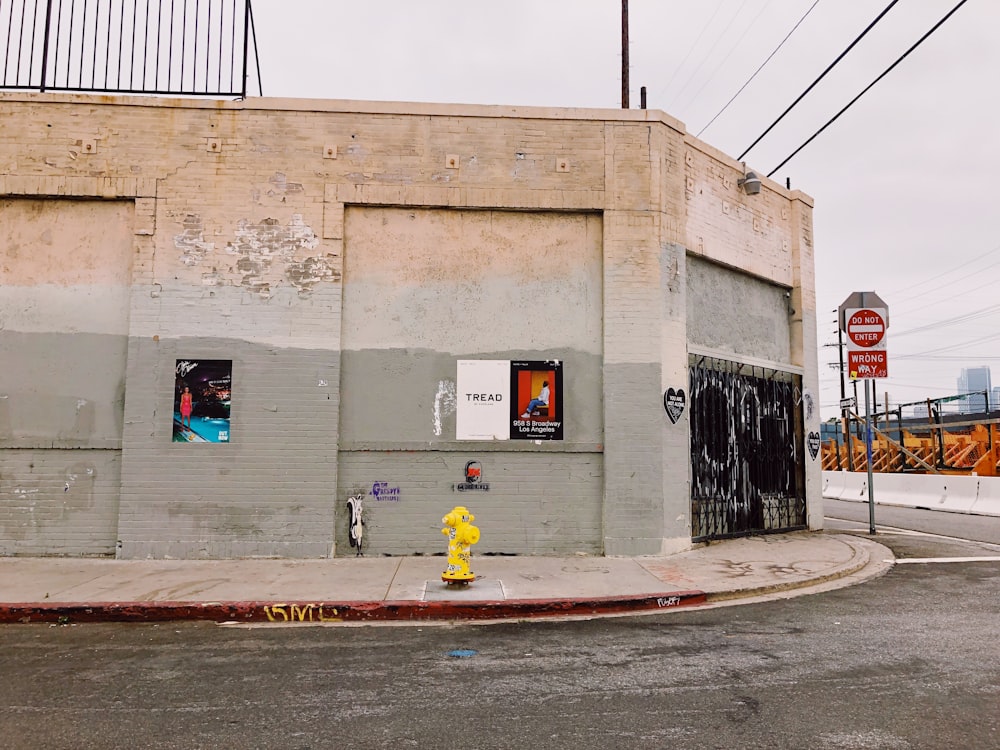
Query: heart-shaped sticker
point(812, 441)
point(673, 403)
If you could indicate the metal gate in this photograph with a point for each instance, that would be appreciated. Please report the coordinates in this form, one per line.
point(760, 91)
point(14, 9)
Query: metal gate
point(747, 457)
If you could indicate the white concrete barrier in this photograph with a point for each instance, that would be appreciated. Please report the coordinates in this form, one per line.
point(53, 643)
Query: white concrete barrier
point(855, 486)
point(988, 501)
point(933, 491)
point(958, 494)
point(833, 484)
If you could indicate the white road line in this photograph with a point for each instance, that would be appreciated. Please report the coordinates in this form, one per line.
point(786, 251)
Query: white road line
point(890, 530)
point(901, 560)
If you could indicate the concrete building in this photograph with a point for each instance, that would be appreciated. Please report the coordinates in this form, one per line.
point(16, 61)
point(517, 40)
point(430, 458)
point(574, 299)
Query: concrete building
point(362, 299)
point(975, 381)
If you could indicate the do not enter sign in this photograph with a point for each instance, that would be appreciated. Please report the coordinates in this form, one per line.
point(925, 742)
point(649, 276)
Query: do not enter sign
point(864, 317)
point(866, 328)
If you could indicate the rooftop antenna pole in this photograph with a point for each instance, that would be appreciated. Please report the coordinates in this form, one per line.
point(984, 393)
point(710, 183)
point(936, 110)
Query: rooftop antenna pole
point(624, 54)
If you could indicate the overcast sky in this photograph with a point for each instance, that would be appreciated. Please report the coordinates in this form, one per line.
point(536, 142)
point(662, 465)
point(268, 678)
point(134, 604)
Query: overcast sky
point(905, 182)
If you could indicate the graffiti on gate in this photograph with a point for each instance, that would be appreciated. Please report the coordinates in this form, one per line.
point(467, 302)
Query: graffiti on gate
point(746, 449)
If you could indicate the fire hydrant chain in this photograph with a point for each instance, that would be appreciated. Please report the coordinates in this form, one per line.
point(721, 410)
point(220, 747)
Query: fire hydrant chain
point(461, 536)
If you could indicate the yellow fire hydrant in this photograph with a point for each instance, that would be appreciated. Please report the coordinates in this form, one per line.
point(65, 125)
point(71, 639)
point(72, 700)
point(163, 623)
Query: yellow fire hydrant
point(461, 536)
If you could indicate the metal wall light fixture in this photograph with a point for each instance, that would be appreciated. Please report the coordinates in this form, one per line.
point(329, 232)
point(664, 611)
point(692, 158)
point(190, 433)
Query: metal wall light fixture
point(750, 182)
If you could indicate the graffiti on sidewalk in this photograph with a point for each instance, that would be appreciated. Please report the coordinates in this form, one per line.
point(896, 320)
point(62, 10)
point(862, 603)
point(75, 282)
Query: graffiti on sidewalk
point(301, 613)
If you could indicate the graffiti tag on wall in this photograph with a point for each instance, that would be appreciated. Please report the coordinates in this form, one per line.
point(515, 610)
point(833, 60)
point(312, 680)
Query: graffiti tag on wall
point(356, 521)
point(381, 491)
point(673, 403)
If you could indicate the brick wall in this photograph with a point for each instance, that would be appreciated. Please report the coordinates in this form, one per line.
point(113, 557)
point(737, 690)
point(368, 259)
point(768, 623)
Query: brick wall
point(537, 502)
point(240, 226)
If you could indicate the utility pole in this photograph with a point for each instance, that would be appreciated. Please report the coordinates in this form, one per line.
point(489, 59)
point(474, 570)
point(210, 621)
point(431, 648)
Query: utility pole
point(845, 414)
point(624, 54)
point(840, 351)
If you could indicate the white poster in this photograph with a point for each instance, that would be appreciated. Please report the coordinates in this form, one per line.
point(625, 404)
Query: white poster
point(483, 408)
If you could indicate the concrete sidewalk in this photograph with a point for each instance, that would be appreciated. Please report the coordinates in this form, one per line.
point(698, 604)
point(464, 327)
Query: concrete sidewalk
point(410, 588)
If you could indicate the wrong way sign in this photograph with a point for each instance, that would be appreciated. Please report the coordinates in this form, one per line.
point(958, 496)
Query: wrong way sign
point(867, 364)
point(864, 317)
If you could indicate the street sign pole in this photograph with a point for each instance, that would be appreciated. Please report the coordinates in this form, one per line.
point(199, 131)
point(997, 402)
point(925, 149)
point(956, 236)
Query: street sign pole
point(864, 317)
point(845, 413)
point(868, 445)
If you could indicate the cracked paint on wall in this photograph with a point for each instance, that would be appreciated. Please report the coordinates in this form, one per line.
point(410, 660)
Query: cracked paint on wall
point(306, 273)
point(444, 403)
point(265, 253)
point(280, 186)
point(191, 241)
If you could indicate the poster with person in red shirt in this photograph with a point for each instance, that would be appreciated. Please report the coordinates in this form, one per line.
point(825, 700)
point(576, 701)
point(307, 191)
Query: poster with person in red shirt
point(202, 396)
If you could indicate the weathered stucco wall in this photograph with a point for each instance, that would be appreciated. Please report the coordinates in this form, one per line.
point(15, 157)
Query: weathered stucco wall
point(343, 256)
point(739, 315)
point(64, 301)
point(424, 288)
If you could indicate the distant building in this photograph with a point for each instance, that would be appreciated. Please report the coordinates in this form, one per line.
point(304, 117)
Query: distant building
point(976, 381)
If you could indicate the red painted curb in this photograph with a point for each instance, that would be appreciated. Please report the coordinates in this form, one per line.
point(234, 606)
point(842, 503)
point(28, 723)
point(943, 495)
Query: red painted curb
point(317, 612)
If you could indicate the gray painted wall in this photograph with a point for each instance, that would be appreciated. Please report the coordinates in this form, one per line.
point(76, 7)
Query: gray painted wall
point(538, 502)
point(64, 305)
point(674, 374)
point(61, 501)
point(405, 399)
point(426, 288)
point(737, 313)
point(270, 491)
point(633, 373)
point(61, 390)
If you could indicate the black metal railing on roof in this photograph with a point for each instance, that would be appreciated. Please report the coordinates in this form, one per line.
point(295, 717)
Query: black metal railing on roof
point(184, 47)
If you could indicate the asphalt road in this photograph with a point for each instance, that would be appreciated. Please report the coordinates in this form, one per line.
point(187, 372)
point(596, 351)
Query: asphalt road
point(959, 525)
point(910, 660)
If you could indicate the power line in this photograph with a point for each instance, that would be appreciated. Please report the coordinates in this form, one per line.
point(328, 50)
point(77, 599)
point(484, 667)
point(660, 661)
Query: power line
point(760, 69)
point(944, 299)
point(956, 268)
point(694, 44)
point(962, 357)
point(732, 49)
point(936, 279)
point(897, 384)
point(707, 54)
point(964, 318)
point(868, 87)
point(821, 77)
point(949, 348)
